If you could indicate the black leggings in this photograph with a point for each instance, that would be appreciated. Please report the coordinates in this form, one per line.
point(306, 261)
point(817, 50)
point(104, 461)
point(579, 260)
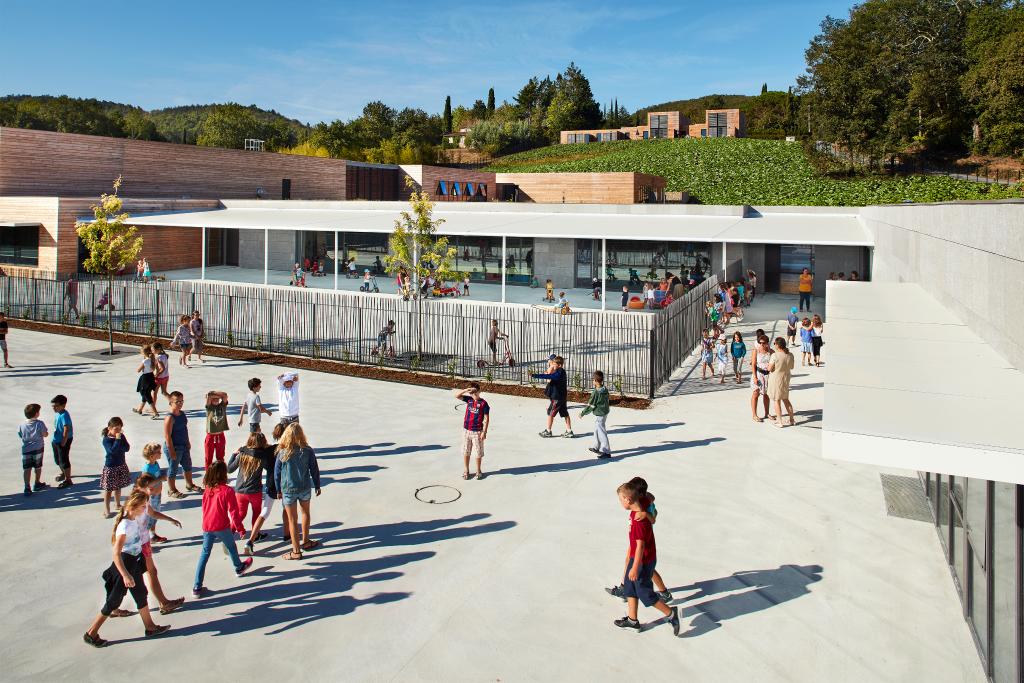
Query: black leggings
point(114, 584)
point(62, 454)
point(816, 346)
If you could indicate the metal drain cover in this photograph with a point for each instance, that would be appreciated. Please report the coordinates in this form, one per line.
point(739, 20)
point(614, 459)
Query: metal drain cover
point(904, 497)
point(437, 494)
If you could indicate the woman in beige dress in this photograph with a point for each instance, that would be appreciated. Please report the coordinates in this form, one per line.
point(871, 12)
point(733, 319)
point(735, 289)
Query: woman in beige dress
point(780, 368)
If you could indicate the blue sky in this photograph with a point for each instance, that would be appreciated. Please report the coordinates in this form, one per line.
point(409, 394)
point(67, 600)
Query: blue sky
point(319, 61)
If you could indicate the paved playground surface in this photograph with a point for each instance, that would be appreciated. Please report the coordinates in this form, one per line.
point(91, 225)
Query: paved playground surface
point(786, 566)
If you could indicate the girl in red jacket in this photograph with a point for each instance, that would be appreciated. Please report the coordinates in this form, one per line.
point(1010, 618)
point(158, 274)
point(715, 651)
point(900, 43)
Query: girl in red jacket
point(220, 515)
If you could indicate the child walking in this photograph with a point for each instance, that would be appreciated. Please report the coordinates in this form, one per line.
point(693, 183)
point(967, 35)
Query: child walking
point(219, 509)
point(33, 435)
point(707, 353)
point(806, 343)
point(63, 435)
point(641, 559)
point(722, 358)
point(163, 373)
point(475, 423)
point(296, 473)
point(115, 475)
point(598, 405)
point(215, 442)
point(738, 350)
point(183, 339)
point(647, 504)
point(249, 482)
point(268, 456)
point(145, 483)
point(146, 385)
point(151, 454)
point(791, 323)
point(253, 406)
point(557, 392)
point(125, 572)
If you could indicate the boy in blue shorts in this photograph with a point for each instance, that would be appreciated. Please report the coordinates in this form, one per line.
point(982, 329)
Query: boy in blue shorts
point(32, 432)
point(178, 447)
point(638, 582)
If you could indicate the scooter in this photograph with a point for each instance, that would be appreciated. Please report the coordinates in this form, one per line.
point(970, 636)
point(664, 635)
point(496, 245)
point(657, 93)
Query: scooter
point(388, 351)
point(507, 360)
point(370, 286)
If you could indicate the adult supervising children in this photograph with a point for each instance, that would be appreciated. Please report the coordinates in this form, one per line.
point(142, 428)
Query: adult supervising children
point(288, 397)
point(474, 427)
point(557, 392)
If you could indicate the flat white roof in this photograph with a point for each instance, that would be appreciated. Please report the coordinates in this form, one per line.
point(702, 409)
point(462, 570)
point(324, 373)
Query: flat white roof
point(909, 385)
point(640, 222)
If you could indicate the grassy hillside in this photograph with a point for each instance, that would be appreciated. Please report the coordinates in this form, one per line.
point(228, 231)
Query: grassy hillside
point(743, 171)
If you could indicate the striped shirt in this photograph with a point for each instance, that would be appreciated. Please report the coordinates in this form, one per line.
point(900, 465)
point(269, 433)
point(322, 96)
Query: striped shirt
point(475, 411)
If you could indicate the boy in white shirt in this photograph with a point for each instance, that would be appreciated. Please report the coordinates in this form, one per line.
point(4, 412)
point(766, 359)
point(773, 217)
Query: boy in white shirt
point(288, 397)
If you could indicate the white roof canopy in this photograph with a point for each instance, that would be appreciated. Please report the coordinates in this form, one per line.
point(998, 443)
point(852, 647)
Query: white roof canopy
point(908, 385)
point(660, 223)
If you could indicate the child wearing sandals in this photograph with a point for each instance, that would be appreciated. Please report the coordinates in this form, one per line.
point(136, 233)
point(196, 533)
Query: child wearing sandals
point(269, 458)
point(151, 454)
point(178, 446)
point(115, 475)
point(219, 509)
point(296, 473)
point(125, 572)
point(144, 484)
point(638, 585)
point(250, 461)
point(163, 374)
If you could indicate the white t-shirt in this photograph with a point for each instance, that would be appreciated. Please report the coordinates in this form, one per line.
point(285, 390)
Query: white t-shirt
point(132, 531)
point(252, 407)
point(163, 362)
point(288, 399)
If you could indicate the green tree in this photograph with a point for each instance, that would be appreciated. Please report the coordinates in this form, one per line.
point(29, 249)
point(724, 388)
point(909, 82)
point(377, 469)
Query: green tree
point(447, 114)
point(764, 88)
point(479, 111)
point(378, 123)
point(415, 248)
point(490, 102)
point(994, 81)
point(573, 105)
point(111, 243)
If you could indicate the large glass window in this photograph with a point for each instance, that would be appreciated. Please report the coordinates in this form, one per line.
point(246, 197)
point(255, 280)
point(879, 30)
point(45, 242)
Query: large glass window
point(793, 258)
point(366, 249)
point(942, 511)
point(718, 125)
point(20, 246)
point(1005, 583)
point(481, 258)
point(634, 262)
point(976, 527)
point(659, 126)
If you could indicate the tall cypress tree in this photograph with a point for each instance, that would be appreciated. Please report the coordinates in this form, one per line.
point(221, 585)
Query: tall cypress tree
point(448, 114)
point(764, 88)
point(490, 102)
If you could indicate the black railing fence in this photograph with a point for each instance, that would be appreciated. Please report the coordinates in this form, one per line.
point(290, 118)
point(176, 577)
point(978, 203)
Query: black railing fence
point(636, 352)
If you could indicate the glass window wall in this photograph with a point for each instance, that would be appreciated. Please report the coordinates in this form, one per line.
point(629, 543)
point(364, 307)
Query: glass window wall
point(635, 262)
point(481, 258)
point(20, 246)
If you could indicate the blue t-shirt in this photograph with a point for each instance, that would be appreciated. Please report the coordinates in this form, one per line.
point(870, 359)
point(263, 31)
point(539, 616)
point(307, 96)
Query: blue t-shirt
point(153, 469)
point(806, 333)
point(63, 418)
point(739, 349)
point(792, 319)
point(722, 352)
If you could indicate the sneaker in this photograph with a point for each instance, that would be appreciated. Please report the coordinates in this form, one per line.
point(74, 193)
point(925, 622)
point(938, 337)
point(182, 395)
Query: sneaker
point(665, 596)
point(260, 536)
point(40, 485)
point(247, 549)
point(568, 435)
point(197, 591)
point(594, 450)
point(604, 456)
point(65, 484)
point(616, 591)
point(626, 622)
point(546, 433)
point(60, 477)
point(28, 491)
point(674, 620)
point(245, 566)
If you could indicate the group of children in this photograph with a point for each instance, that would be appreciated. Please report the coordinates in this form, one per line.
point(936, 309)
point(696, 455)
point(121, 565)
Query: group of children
point(811, 332)
point(33, 434)
point(189, 338)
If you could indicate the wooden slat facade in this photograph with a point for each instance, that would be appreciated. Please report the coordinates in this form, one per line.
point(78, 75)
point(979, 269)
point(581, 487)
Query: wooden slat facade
point(582, 188)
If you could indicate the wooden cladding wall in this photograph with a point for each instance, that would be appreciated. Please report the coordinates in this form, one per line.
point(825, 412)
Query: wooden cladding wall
point(375, 183)
point(42, 210)
point(431, 176)
point(34, 163)
point(582, 188)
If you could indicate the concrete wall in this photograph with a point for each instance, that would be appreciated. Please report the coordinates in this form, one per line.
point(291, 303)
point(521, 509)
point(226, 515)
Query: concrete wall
point(555, 259)
point(282, 249)
point(968, 255)
point(753, 259)
point(833, 259)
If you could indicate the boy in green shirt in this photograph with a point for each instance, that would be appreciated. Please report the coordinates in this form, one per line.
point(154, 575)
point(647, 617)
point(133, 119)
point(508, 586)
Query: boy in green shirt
point(598, 405)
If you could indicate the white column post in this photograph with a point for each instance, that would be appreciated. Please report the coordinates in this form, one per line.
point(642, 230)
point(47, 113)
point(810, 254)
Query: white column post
point(725, 261)
point(202, 268)
point(266, 255)
point(604, 273)
point(503, 261)
point(335, 259)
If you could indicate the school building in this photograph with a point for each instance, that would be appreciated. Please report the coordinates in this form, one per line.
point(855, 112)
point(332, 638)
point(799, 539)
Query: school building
point(925, 354)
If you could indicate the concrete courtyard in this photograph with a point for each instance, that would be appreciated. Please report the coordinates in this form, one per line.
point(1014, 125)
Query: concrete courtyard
point(785, 566)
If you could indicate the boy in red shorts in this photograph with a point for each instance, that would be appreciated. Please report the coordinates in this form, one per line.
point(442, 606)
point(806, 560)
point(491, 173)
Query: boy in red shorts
point(638, 584)
point(216, 424)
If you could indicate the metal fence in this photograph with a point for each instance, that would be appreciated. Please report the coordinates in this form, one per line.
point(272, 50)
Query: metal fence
point(677, 331)
point(636, 352)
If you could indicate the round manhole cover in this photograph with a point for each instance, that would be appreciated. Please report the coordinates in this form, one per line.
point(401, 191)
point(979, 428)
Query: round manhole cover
point(437, 494)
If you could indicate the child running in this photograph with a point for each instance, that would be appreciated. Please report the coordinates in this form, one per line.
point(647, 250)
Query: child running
point(145, 483)
point(215, 442)
point(115, 475)
point(253, 406)
point(557, 392)
point(33, 435)
point(151, 454)
point(163, 374)
point(125, 572)
point(641, 559)
point(296, 473)
point(219, 508)
point(598, 405)
point(474, 426)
